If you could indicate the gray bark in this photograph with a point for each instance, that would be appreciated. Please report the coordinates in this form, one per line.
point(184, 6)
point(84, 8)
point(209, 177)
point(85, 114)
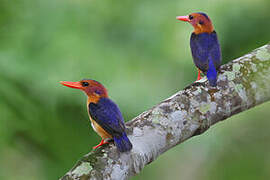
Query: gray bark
point(242, 84)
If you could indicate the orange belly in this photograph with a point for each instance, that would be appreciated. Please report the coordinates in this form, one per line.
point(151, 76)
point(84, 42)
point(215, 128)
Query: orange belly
point(103, 134)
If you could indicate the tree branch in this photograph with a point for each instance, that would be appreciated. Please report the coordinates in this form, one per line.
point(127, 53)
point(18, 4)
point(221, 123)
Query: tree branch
point(242, 84)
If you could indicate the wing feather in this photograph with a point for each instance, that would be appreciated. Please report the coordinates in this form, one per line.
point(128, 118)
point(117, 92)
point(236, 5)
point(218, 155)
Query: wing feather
point(203, 48)
point(107, 114)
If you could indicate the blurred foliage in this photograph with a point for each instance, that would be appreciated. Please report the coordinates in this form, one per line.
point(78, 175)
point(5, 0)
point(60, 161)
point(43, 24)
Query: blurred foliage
point(141, 54)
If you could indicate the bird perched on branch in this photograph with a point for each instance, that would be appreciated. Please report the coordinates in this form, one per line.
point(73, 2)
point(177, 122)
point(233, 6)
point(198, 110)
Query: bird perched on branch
point(204, 46)
point(105, 116)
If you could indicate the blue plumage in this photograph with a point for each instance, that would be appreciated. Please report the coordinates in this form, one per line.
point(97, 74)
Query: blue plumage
point(122, 143)
point(212, 74)
point(107, 114)
point(206, 54)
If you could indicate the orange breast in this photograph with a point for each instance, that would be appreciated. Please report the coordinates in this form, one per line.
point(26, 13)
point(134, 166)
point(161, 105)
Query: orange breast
point(101, 132)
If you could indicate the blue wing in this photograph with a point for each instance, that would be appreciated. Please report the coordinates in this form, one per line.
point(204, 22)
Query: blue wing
point(107, 114)
point(205, 47)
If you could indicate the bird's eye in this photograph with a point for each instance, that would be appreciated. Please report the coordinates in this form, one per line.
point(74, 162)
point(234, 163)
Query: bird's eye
point(190, 17)
point(201, 22)
point(84, 84)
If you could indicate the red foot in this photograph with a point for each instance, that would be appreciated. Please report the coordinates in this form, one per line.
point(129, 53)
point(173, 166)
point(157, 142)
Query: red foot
point(199, 75)
point(100, 144)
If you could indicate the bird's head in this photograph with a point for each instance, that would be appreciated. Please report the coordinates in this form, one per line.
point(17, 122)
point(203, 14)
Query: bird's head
point(200, 21)
point(93, 89)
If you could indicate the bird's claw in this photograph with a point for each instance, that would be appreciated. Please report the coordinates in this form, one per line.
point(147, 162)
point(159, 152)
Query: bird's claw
point(100, 144)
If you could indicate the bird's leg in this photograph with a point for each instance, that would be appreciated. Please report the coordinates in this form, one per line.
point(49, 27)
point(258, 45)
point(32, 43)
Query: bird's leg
point(199, 75)
point(100, 144)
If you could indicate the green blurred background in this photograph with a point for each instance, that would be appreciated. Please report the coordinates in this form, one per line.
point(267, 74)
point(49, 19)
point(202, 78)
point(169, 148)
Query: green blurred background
point(141, 54)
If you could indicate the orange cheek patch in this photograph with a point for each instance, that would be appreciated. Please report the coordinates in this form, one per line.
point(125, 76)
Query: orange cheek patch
point(93, 99)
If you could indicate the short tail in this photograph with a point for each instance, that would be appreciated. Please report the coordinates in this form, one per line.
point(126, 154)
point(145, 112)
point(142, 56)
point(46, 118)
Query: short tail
point(212, 74)
point(122, 143)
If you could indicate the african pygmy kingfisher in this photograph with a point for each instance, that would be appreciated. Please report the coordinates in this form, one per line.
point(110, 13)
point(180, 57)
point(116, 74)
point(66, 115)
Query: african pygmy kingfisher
point(204, 46)
point(105, 116)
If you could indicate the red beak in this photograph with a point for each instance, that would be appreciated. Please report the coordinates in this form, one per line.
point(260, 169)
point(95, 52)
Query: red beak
point(76, 85)
point(183, 18)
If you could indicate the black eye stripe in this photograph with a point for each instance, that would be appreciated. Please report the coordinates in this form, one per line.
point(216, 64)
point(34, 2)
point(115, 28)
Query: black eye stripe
point(84, 84)
point(190, 17)
point(201, 22)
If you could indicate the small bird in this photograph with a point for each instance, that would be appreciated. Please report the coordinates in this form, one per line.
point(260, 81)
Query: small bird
point(105, 116)
point(204, 46)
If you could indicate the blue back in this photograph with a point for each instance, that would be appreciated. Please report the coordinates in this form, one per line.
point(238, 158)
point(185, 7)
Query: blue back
point(205, 47)
point(107, 114)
